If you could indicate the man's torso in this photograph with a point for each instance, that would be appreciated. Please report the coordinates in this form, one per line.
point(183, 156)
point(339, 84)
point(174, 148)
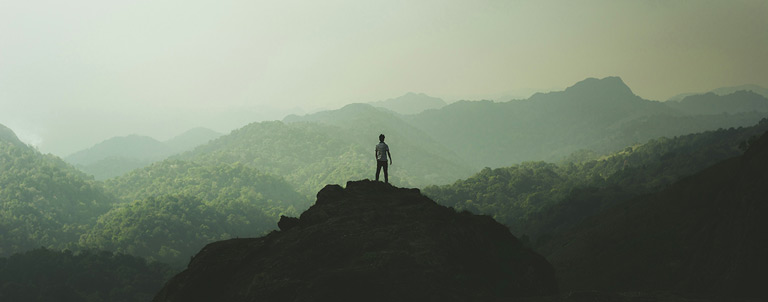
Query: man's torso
point(381, 151)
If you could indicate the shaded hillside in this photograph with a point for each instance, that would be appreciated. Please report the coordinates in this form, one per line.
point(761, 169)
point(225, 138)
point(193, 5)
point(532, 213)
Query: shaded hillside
point(540, 199)
point(411, 103)
point(43, 201)
point(118, 155)
point(711, 103)
point(45, 275)
point(368, 242)
point(704, 234)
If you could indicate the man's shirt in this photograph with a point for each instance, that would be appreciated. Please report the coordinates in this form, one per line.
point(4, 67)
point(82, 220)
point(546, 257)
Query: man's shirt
point(381, 151)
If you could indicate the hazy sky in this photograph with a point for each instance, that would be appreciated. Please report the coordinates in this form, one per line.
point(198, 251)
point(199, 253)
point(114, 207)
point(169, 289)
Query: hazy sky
point(73, 73)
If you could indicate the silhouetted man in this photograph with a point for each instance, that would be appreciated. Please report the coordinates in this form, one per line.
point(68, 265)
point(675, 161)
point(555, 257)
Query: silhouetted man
point(382, 151)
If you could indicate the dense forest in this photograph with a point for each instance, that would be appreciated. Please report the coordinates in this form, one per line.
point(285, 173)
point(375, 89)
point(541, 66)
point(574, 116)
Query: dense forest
point(44, 201)
point(85, 276)
point(174, 208)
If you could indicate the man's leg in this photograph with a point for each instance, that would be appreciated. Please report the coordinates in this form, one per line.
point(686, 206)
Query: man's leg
point(378, 170)
point(386, 171)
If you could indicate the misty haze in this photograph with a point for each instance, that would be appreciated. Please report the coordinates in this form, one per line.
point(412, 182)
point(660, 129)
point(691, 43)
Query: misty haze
point(529, 151)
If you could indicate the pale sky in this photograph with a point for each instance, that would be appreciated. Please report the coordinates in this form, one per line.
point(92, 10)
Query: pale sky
point(74, 73)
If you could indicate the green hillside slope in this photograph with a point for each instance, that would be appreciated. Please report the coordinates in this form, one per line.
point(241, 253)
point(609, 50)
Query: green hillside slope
point(44, 201)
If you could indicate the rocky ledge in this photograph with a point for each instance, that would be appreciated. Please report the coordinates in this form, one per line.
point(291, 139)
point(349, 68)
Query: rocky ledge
point(369, 241)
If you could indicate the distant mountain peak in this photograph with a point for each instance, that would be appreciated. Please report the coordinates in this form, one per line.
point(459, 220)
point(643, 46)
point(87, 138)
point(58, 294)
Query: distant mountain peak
point(612, 86)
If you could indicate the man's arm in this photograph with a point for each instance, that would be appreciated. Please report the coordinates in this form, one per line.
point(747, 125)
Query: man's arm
point(390, 157)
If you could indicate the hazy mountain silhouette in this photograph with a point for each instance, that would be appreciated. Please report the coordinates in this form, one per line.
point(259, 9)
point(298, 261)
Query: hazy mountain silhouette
point(191, 139)
point(749, 87)
point(712, 103)
point(545, 126)
point(705, 234)
point(596, 114)
point(726, 91)
point(118, 155)
point(411, 103)
point(131, 146)
point(368, 242)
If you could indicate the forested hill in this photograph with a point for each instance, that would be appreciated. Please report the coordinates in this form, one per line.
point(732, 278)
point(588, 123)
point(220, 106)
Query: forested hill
point(173, 208)
point(310, 155)
point(118, 155)
point(163, 212)
point(704, 234)
point(539, 199)
point(424, 159)
point(43, 201)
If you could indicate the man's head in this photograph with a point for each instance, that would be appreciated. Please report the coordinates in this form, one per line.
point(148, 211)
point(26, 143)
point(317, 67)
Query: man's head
point(381, 137)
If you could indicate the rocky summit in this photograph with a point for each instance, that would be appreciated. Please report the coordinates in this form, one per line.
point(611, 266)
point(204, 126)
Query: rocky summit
point(369, 241)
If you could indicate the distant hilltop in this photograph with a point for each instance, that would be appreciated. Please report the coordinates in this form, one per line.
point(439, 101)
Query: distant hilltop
point(725, 91)
point(369, 241)
point(411, 103)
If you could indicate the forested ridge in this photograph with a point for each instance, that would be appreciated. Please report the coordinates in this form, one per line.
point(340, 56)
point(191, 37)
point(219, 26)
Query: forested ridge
point(311, 154)
point(173, 208)
point(703, 234)
point(537, 199)
point(119, 155)
point(44, 201)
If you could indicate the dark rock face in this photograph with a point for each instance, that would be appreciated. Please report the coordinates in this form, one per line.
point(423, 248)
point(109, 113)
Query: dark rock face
point(287, 223)
point(369, 242)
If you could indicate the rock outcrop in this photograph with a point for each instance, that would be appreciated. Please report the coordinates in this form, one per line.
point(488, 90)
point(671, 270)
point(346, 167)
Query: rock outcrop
point(369, 241)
